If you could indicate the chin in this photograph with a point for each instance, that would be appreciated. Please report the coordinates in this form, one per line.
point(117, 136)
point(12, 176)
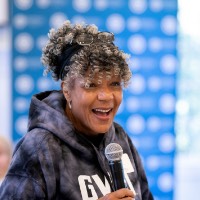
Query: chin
point(102, 130)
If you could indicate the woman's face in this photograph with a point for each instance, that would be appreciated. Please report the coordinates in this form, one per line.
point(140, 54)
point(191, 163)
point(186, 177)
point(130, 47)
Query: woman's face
point(93, 109)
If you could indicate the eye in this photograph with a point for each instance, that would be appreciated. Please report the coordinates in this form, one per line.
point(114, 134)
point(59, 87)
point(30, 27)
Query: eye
point(116, 83)
point(91, 85)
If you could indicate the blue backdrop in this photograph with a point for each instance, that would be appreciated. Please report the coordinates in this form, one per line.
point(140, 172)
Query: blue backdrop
point(146, 29)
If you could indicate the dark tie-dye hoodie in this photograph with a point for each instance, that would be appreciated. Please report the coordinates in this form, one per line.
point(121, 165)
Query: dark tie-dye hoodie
point(53, 161)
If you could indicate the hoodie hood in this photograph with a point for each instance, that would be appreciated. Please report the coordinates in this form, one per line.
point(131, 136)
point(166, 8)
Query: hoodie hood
point(47, 111)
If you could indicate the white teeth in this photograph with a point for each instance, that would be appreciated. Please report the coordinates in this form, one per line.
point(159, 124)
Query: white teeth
point(100, 110)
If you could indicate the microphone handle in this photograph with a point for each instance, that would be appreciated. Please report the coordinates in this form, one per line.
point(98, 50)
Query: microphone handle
point(117, 174)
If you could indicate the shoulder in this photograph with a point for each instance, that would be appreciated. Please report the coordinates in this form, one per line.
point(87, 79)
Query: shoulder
point(33, 145)
point(123, 136)
point(120, 132)
point(33, 140)
point(118, 128)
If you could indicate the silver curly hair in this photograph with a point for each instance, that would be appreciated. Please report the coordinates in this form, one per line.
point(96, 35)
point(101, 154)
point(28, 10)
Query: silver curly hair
point(90, 60)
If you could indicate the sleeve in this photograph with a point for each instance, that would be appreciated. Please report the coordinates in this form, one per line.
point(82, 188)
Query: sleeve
point(146, 193)
point(21, 188)
point(24, 180)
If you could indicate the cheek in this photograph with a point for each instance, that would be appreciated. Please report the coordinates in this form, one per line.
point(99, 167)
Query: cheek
point(119, 97)
point(81, 103)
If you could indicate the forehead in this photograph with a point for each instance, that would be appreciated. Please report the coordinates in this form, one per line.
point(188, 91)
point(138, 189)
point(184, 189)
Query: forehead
point(102, 74)
point(98, 76)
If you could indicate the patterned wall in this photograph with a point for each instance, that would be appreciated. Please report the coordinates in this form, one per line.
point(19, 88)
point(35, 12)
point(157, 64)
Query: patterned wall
point(146, 29)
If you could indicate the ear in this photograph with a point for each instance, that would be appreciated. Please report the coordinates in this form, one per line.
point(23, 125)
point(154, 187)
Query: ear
point(66, 92)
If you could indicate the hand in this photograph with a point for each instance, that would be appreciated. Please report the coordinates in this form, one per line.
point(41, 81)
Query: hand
point(124, 194)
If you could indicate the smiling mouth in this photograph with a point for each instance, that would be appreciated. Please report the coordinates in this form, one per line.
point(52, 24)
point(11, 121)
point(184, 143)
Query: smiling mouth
point(102, 112)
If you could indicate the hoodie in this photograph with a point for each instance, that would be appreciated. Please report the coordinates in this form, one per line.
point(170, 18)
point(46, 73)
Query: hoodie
point(53, 161)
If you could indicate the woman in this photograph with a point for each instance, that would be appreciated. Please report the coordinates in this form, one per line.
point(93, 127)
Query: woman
point(62, 155)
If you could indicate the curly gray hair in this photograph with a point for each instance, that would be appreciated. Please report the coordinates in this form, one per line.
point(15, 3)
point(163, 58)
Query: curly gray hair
point(66, 60)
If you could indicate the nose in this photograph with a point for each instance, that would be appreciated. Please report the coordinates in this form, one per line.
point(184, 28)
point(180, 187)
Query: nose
point(105, 95)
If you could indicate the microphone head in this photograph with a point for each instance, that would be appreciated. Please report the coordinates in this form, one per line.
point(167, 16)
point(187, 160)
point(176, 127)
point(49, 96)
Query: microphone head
point(113, 152)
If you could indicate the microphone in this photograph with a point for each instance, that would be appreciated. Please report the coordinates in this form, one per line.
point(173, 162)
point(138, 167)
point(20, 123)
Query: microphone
point(113, 153)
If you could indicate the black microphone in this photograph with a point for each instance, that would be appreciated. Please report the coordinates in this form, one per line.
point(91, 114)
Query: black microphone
point(113, 153)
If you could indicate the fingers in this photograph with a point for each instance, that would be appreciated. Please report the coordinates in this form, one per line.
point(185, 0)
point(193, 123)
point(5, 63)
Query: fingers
point(124, 194)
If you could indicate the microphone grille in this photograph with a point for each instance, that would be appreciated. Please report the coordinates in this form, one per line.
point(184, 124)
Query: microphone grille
point(113, 152)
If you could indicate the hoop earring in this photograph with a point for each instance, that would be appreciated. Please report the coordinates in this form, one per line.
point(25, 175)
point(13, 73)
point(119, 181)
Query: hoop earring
point(70, 105)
